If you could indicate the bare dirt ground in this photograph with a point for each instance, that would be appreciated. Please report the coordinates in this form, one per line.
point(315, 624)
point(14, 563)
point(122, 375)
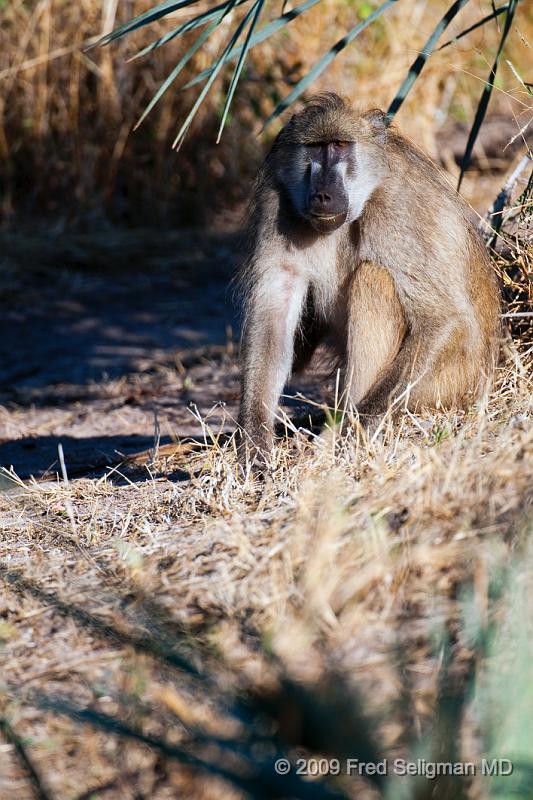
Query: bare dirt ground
point(351, 559)
point(114, 343)
point(98, 350)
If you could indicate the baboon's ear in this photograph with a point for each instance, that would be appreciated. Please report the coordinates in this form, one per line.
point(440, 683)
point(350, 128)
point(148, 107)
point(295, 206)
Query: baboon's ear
point(378, 120)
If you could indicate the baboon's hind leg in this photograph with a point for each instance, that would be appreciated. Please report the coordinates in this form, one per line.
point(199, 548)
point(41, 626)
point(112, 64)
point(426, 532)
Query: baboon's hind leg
point(376, 327)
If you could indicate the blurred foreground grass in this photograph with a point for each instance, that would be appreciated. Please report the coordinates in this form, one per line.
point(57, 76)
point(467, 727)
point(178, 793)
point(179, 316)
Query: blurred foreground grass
point(369, 601)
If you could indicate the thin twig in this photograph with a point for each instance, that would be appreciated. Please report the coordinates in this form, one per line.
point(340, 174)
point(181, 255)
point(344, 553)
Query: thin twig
point(68, 504)
point(490, 225)
point(517, 314)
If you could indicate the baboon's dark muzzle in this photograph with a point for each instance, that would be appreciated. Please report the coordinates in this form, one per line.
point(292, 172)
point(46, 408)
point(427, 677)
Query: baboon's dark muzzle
point(327, 209)
point(327, 223)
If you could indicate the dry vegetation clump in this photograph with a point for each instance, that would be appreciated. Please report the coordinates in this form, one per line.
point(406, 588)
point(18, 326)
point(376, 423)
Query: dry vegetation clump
point(513, 251)
point(66, 115)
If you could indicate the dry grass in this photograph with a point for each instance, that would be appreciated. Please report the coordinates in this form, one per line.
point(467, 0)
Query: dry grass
point(66, 115)
point(352, 551)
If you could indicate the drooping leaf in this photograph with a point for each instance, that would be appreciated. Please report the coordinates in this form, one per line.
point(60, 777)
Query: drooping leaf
point(258, 6)
point(217, 66)
point(486, 94)
point(418, 64)
point(160, 10)
point(185, 58)
point(326, 60)
point(478, 24)
point(264, 33)
point(185, 27)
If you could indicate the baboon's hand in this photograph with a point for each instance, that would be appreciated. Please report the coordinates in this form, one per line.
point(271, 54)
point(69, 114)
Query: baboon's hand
point(254, 450)
point(371, 408)
point(370, 423)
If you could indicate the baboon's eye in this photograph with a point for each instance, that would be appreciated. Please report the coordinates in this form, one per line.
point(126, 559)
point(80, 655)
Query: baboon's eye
point(341, 144)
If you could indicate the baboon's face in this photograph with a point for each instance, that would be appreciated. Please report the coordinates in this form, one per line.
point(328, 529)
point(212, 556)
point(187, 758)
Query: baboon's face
point(328, 160)
point(321, 189)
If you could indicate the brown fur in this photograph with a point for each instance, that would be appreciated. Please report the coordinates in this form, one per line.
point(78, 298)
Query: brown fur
point(406, 287)
point(373, 294)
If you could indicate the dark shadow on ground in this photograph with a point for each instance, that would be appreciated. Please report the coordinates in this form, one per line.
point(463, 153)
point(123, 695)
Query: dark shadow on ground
point(115, 341)
point(74, 315)
point(38, 456)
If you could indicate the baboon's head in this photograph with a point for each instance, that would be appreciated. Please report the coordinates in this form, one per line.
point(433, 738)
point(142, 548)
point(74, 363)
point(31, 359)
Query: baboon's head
point(328, 160)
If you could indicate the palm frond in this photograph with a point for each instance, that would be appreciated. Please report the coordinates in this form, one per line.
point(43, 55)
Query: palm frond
point(326, 60)
point(153, 14)
point(418, 64)
point(258, 7)
point(185, 27)
point(214, 16)
point(478, 24)
point(224, 11)
point(262, 35)
point(217, 66)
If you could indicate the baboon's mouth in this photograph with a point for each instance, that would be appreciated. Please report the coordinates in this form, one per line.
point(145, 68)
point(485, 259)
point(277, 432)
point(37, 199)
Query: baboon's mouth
point(327, 222)
point(326, 217)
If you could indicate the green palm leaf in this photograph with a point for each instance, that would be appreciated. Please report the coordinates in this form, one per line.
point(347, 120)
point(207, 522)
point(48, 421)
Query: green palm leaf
point(215, 15)
point(478, 24)
point(258, 6)
point(160, 10)
point(261, 35)
point(191, 24)
point(219, 63)
point(183, 61)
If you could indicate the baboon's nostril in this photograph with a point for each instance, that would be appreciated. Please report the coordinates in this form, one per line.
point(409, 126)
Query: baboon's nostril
point(322, 197)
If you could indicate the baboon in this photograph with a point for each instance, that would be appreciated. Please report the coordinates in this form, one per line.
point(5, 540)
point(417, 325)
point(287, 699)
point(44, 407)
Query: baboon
point(356, 235)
